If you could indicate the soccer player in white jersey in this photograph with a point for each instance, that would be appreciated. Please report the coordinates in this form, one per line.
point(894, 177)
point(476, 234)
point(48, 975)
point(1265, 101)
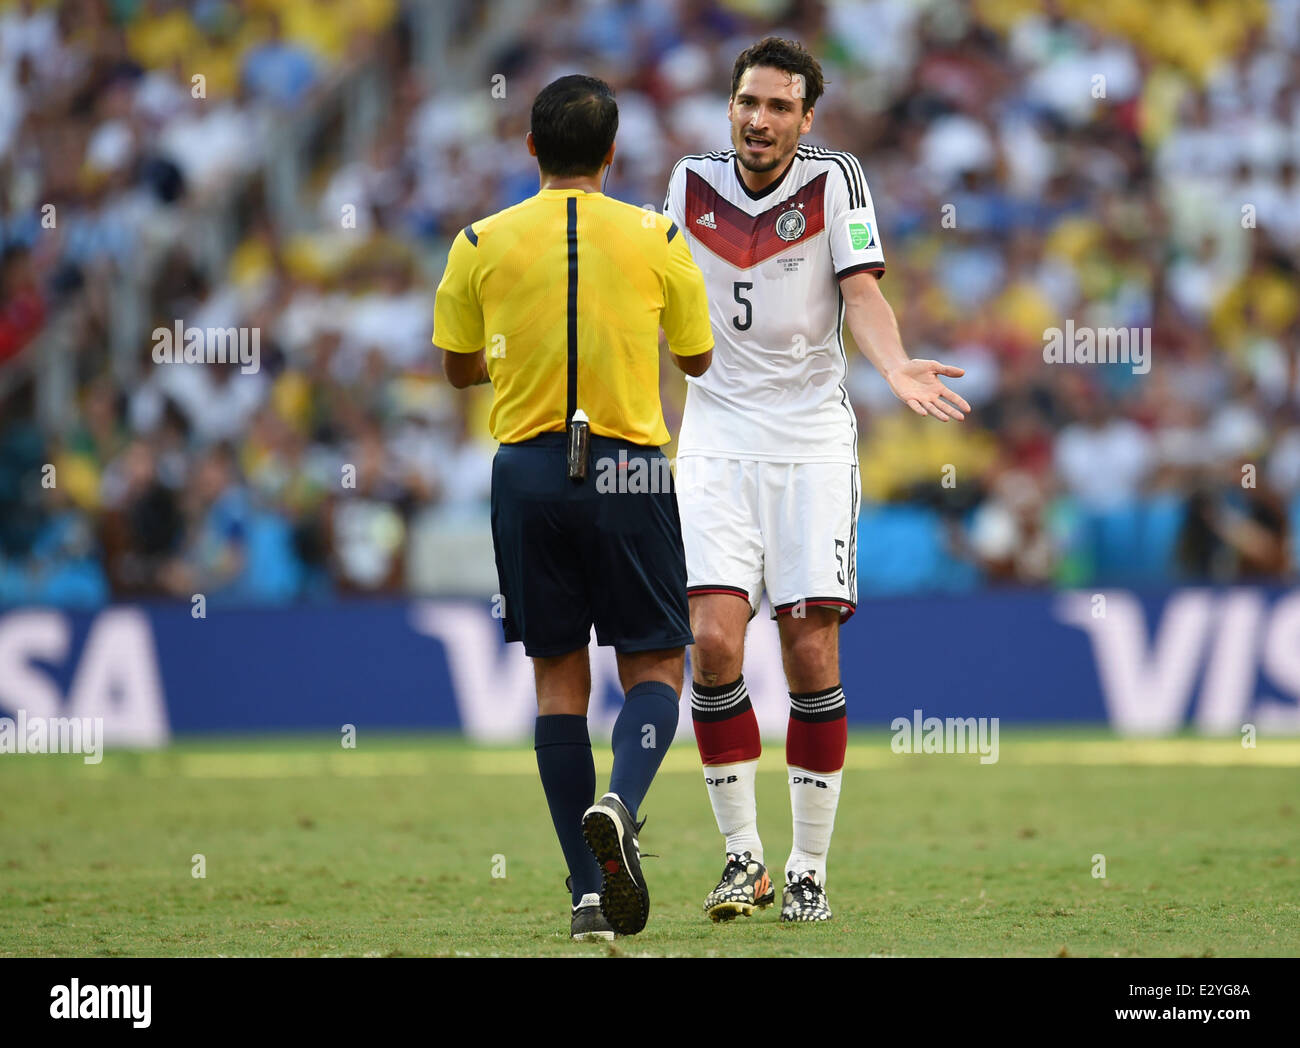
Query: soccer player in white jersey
point(767, 462)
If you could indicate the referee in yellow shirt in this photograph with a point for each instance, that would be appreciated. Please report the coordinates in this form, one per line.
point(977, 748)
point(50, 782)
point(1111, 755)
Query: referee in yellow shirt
point(558, 302)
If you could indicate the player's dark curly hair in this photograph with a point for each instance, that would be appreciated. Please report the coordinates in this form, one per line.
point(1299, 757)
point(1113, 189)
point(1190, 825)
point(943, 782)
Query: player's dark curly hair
point(573, 123)
point(789, 56)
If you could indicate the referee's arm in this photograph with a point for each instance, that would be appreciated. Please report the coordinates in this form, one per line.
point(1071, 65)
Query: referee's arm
point(685, 316)
point(464, 369)
point(694, 366)
point(458, 317)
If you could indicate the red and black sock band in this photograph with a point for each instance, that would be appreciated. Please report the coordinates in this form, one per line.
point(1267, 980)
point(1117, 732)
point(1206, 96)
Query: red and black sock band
point(818, 707)
point(817, 736)
point(726, 729)
point(719, 702)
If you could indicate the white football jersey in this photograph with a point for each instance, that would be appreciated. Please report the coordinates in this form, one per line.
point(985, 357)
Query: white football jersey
point(773, 261)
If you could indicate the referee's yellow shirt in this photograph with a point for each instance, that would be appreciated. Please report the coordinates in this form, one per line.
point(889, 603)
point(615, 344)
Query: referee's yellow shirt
point(567, 272)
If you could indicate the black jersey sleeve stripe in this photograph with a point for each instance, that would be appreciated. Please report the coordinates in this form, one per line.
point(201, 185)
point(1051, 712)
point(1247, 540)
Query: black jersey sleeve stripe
point(856, 165)
point(853, 172)
point(471, 236)
point(715, 155)
point(672, 232)
point(855, 201)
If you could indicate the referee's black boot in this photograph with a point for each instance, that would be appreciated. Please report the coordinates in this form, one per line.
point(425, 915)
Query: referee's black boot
point(588, 923)
point(612, 837)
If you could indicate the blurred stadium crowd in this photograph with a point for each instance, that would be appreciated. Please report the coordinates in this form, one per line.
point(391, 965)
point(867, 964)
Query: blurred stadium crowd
point(298, 167)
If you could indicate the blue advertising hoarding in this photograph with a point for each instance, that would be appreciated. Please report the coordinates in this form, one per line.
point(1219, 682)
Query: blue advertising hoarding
point(1146, 663)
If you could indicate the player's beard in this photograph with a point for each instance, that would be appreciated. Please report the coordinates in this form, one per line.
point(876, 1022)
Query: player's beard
point(779, 154)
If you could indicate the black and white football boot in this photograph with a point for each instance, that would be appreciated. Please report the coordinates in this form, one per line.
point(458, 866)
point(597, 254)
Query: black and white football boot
point(588, 923)
point(804, 898)
point(744, 888)
point(612, 837)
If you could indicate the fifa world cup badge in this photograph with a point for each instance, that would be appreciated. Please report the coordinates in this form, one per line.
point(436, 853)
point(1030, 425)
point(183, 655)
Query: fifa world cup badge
point(790, 225)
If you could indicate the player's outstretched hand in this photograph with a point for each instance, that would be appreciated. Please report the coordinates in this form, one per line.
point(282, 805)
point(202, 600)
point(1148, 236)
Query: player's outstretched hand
point(917, 384)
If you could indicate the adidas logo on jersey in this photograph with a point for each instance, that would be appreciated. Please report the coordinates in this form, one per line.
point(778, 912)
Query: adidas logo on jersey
point(707, 221)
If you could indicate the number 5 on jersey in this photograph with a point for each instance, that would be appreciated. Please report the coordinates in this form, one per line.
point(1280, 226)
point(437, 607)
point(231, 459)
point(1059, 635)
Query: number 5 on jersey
point(743, 285)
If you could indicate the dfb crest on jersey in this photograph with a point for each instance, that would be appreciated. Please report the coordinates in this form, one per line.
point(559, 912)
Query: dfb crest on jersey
point(790, 226)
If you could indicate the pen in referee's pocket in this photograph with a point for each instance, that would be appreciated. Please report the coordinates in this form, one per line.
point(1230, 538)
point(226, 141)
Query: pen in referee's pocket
point(579, 438)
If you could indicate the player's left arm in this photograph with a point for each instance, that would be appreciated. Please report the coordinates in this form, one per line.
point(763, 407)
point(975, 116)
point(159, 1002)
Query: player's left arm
point(859, 262)
point(917, 383)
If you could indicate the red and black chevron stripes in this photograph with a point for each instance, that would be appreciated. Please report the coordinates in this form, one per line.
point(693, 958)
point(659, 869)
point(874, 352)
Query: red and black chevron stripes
point(745, 240)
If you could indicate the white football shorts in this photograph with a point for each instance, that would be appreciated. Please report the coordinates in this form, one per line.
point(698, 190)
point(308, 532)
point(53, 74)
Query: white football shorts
point(789, 527)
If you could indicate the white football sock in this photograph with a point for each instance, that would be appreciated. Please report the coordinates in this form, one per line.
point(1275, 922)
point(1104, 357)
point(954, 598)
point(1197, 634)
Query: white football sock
point(731, 792)
point(814, 796)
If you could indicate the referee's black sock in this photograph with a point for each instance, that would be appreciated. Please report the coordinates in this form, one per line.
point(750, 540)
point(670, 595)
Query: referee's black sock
point(642, 734)
point(569, 778)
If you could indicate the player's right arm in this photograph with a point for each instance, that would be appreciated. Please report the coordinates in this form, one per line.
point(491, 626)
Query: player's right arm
point(458, 316)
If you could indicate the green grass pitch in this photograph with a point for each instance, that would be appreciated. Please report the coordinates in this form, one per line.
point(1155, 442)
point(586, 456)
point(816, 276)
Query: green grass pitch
point(391, 849)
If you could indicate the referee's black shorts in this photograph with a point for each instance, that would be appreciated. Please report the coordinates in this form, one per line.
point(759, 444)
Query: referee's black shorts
point(606, 552)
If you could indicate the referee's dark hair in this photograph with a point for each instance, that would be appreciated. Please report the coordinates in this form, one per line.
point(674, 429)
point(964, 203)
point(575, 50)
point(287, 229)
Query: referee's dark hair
point(574, 121)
